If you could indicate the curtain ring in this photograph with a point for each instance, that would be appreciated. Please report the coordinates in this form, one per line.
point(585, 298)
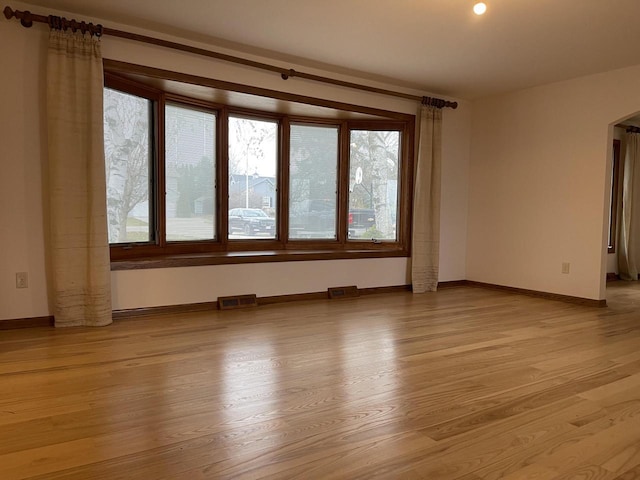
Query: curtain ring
point(55, 23)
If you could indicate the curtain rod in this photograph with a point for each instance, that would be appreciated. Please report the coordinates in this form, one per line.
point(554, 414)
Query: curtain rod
point(628, 128)
point(27, 18)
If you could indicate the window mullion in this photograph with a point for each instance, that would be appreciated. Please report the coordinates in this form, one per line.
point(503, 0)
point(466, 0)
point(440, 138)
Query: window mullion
point(159, 165)
point(283, 181)
point(343, 183)
point(223, 177)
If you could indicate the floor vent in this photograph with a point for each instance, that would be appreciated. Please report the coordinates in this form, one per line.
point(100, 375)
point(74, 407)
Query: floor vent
point(237, 301)
point(343, 292)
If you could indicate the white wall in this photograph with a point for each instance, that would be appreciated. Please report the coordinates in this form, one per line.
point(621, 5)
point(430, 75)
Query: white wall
point(22, 228)
point(134, 288)
point(456, 138)
point(23, 196)
point(539, 178)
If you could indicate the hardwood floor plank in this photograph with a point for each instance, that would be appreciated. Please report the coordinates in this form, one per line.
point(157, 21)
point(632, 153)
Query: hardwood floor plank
point(624, 461)
point(531, 397)
point(626, 387)
point(587, 472)
point(632, 474)
point(560, 448)
point(461, 384)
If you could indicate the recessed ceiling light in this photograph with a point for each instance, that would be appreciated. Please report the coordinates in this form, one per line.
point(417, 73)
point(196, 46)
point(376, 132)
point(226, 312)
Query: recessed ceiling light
point(479, 8)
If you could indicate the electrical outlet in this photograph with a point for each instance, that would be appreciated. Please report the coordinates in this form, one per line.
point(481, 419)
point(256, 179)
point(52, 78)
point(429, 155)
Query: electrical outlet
point(22, 280)
point(565, 267)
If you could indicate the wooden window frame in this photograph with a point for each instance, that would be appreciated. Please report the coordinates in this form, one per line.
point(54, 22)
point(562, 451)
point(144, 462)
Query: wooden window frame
point(159, 253)
point(340, 126)
point(155, 97)
point(615, 188)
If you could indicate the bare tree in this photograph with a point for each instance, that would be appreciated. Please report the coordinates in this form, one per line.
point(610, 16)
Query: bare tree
point(313, 160)
point(376, 153)
point(248, 140)
point(238, 199)
point(126, 128)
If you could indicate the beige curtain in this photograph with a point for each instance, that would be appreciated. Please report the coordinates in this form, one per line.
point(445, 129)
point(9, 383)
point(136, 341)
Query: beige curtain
point(629, 237)
point(425, 245)
point(78, 245)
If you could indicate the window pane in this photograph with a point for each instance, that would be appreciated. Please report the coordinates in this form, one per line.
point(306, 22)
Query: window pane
point(253, 164)
point(313, 182)
point(190, 174)
point(373, 184)
point(127, 123)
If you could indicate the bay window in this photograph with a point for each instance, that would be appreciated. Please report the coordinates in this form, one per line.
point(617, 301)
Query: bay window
point(195, 180)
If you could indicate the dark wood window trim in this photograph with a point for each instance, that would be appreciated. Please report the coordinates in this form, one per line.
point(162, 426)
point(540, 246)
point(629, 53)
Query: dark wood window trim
point(263, 256)
point(160, 254)
point(615, 188)
point(230, 93)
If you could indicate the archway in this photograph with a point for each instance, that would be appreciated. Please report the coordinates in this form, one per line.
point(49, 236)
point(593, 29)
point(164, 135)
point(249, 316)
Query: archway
point(618, 213)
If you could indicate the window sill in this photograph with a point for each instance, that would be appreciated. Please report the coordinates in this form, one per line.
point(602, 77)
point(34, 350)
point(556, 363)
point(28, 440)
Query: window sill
point(226, 258)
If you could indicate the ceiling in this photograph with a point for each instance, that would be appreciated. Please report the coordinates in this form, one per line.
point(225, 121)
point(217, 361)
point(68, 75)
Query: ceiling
point(436, 46)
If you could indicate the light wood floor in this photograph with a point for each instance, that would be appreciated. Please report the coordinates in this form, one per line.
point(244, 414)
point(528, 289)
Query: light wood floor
point(463, 384)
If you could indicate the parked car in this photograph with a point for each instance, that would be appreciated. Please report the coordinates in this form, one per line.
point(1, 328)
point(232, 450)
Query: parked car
point(250, 221)
point(361, 220)
point(313, 217)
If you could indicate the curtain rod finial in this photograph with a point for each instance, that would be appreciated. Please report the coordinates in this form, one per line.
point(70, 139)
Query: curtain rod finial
point(26, 19)
point(8, 12)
